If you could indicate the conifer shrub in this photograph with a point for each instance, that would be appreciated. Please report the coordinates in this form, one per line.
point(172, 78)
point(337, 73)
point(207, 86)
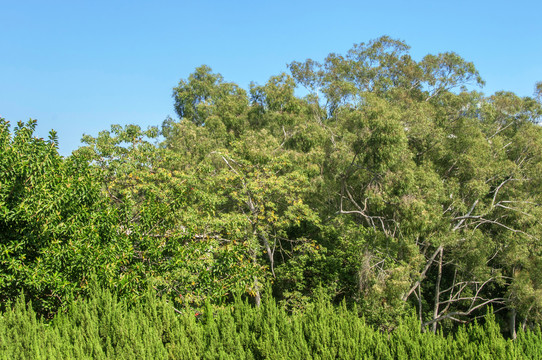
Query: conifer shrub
point(107, 327)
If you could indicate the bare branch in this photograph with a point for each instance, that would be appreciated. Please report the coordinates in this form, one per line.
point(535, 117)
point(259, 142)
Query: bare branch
point(463, 313)
point(463, 218)
point(422, 275)
point(513, 209)
point(500, 129)
point(496, 191)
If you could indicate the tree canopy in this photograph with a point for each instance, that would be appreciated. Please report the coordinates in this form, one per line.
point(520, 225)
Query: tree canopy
point(393, 185)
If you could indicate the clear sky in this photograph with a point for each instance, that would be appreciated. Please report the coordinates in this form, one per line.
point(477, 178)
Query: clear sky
point(80, 66)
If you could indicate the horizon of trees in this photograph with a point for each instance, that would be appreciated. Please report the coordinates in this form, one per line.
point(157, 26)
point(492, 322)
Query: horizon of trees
point(390, 186)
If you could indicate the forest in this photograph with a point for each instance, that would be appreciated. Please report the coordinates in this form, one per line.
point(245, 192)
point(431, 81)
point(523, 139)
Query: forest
point(365, 191)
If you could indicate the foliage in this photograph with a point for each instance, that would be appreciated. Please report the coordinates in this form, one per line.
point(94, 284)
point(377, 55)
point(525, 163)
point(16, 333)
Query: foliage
point(393, 186)
point(56, 232)
point(105, 327)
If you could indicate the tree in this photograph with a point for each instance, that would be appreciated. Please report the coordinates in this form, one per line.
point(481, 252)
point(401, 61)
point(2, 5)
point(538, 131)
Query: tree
point(168, 202)
point(56, 232)
point(391, 185)
point(205, 99)
point(435, 173)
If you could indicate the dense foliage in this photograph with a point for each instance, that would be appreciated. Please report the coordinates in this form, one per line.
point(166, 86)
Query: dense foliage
point(57, 230)
point(392, 185)
point(104, 327)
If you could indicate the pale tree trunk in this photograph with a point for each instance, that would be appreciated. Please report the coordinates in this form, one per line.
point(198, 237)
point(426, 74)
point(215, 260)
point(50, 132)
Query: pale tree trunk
point(257, 296)
point(437, 291)
point(256, 286)
point(512, 323)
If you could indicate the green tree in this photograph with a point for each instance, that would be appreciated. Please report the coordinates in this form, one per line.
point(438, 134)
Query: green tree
point(205, 99)
point(56, 232)
point(441, 177)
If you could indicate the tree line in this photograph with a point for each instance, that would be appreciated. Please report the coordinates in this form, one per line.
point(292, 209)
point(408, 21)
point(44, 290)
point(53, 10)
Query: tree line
point(392, 185)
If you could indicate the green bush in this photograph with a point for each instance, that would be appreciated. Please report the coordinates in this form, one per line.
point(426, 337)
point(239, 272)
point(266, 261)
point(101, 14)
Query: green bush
point(56, 230)
point(106, 327)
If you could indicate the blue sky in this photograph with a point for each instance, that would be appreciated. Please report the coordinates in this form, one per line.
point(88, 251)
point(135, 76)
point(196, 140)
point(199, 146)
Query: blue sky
point(80, 66)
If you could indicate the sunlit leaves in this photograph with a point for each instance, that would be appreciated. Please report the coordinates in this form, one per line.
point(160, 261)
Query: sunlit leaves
point(56, 232)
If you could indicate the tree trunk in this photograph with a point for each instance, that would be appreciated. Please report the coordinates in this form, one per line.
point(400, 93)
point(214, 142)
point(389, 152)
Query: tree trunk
point(512, 323)
point(257, 296)
point(256, 286)
point(437, 292)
